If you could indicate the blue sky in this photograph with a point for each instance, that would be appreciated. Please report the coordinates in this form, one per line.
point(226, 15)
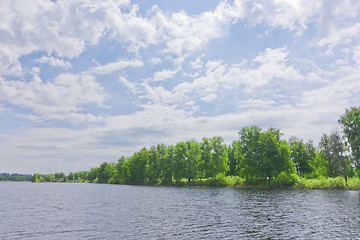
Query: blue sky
point(83, 82)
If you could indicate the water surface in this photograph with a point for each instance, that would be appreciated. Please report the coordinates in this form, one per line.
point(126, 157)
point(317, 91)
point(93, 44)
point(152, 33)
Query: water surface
point(101, 211)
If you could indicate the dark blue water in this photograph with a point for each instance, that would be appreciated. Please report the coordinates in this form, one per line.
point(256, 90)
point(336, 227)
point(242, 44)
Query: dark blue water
point(100, 211)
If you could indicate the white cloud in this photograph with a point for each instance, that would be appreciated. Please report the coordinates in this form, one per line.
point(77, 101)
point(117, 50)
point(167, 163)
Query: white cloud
point(66, 28)
point(341, 36)
point(293, 15)
point(269, 66)
point(186, 34)
point(338, 24)
point(198, 63)
point(114, 66)
point(158, 94)
point(130, 85)
point(155, 61)
point(60, 100)
point(164, 75)
point(55, 62)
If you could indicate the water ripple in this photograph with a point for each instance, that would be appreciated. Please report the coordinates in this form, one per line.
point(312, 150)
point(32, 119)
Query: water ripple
point(94, 211)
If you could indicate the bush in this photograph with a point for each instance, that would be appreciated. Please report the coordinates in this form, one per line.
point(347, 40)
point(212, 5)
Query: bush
point(321, 183)
point(354, 183)
point(284, 180)
point(219, 181)
point(234, 181)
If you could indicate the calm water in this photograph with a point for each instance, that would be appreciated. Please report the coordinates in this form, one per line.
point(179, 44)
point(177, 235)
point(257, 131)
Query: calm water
point(96, 211)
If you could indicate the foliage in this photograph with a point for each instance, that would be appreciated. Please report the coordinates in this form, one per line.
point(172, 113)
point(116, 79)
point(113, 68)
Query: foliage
point(350, 123)
point(234, 181)
point(302, 155)
point(321, 183)
point(15, 177)
point(331, 149)
point(218, 181)
point(262, 155)
point(284, 180)
point(354, 183)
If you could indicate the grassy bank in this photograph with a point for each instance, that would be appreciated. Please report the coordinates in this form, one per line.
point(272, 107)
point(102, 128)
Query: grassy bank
point(328, 183)
point(281, 182)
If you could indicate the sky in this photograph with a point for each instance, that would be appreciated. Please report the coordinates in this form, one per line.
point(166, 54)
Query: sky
point(84, 81)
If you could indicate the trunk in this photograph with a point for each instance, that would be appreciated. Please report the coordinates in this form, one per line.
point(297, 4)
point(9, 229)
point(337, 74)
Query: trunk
point(344, 167)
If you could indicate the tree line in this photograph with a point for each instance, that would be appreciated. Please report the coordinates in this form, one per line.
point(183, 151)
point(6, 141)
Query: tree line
point(258, 156)
point(15, 177)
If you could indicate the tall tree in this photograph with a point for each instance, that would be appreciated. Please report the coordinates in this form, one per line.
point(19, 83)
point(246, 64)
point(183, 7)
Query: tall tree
point(232, 159)
point(121, 170)
point(137, 166)
point(193, 156)
point(219, 157)
point(167, 163)
point(205, 167)
point(262, 154)
point(153, 167)
point(332, 149)
point(247, 153)
point(350, 123)
point(302, 155)
point(180, 160)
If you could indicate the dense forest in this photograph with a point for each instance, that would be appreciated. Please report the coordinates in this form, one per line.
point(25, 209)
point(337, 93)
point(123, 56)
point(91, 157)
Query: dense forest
point(258, 157)
point(15, 177)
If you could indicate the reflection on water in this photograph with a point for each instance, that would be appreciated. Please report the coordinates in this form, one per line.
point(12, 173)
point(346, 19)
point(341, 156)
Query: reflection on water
point(96, 211)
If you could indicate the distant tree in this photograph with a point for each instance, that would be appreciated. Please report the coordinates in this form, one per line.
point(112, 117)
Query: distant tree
point(106, 173)
point(71, 176)
point(137, 166)
point(121, 170)
point(93, 175)
point(36, 177)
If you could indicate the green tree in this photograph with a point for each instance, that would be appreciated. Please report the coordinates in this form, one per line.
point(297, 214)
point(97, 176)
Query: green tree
point(219, 157)
point(180, 161)
point(193, 155)
point(248, 153)
point(302, 155)
point(153, 168)
point(231, 149)
point(262, 154)
point(167, 163)
point(137, 166)
point(71, 176)
point(332, 150)
point(102, 175)
point(205, 158)
point(36, 177)
point(121, 171)
point(93, 175)
point(49, 178)
point(350, 123)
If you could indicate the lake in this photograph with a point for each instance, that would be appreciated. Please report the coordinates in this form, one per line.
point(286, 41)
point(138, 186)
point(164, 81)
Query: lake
point(102, 211)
